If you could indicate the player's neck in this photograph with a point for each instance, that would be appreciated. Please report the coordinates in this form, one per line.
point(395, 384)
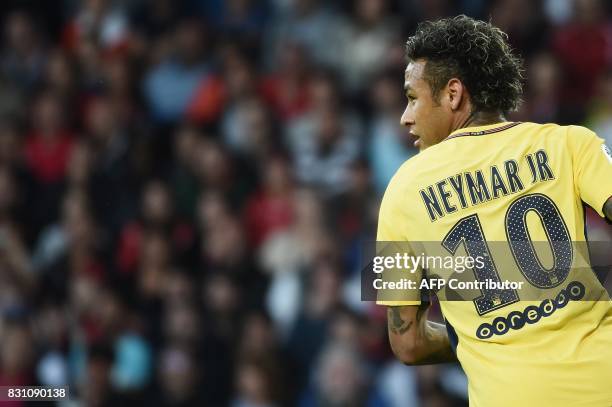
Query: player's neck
point(481, 118)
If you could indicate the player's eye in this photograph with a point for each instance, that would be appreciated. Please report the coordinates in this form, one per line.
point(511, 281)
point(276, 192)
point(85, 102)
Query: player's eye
point(410, 98)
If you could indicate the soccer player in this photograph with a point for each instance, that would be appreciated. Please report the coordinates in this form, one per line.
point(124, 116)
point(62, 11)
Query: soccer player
point(479, 179)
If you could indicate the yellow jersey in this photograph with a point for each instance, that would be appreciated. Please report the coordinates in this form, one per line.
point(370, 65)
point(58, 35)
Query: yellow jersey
point(513, 183)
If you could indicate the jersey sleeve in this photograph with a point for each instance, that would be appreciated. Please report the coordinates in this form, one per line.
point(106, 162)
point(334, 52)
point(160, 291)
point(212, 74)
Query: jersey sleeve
point(392, 240)
point(592, 166)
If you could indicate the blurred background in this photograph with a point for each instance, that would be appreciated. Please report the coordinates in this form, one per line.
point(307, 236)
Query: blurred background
point(185, 186)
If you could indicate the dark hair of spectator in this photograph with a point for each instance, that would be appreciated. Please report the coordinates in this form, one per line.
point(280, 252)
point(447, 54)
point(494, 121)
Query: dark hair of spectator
point(101, 352)
point(473, 51)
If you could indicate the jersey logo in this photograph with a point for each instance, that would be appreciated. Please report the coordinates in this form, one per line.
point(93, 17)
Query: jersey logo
point(607, 152)
point(516, 320)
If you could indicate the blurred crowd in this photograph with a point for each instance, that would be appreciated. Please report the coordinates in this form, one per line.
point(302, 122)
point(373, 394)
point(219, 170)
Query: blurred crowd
point(186, 186)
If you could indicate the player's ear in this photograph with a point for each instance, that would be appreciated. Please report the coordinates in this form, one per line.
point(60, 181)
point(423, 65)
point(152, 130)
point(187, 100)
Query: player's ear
point(456, 92)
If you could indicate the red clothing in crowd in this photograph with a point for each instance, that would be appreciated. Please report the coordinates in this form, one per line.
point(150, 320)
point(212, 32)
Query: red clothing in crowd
point(585, 52)
point(266, 214)
point(47, 157)
point(288, 99)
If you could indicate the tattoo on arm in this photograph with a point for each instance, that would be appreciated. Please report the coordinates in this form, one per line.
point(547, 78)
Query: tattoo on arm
point(396, 324)
point(424, 343)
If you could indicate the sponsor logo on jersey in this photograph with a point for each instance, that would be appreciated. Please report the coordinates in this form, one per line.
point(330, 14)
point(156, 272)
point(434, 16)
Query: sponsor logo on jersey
point(530, 315)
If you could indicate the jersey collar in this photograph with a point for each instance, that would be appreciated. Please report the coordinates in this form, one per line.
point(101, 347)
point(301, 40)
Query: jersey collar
point(481, 130)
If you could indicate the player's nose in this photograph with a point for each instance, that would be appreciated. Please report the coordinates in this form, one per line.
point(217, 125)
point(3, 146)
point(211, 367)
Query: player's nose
point(407, 118)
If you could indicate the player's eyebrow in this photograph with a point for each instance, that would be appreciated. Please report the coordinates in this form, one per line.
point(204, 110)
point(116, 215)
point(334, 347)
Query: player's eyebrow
point(407, 87)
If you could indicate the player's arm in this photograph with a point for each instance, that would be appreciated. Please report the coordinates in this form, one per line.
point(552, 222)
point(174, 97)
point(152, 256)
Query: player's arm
point(608, 209)
point(415, 340)
point(592, 165)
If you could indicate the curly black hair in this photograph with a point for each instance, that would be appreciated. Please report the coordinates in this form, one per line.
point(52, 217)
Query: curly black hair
point(473, 51)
